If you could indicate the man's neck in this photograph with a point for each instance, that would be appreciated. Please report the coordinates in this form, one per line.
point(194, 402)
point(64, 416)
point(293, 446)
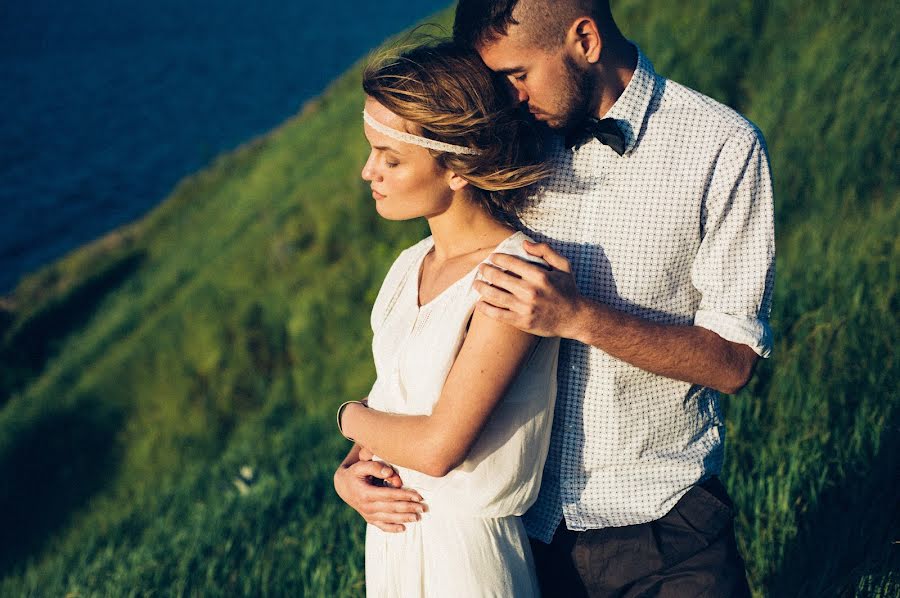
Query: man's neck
point(617, 64)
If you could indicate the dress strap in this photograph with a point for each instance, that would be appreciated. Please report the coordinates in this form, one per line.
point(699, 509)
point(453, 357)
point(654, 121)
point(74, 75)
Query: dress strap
point(398, 288)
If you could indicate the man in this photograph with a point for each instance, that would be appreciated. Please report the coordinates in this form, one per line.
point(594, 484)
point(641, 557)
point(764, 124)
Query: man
point(658, 227)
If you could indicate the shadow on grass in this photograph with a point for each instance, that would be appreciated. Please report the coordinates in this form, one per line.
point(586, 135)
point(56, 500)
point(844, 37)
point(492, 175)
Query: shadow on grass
point(29, 343)
point(51, 467)
point(849, 535)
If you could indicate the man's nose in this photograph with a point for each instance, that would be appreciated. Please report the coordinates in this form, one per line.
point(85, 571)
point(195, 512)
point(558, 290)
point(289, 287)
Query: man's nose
point(519, 93)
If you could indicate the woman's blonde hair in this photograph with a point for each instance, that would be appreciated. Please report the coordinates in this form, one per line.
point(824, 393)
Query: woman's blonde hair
point(449, 95)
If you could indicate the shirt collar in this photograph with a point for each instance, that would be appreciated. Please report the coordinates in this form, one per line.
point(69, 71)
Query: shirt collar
point(631, 107)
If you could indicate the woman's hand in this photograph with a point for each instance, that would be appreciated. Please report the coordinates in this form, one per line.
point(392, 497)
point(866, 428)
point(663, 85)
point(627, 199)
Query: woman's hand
point(393, 480)
point(373, 489)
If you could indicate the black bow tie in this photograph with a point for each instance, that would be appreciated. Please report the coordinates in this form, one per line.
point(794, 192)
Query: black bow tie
point(605, 130)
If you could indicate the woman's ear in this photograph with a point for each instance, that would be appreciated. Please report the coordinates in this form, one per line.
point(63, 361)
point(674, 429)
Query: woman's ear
point(456, 182)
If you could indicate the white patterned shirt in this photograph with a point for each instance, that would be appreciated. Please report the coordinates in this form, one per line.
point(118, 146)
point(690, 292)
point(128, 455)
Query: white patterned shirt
point(678, 230)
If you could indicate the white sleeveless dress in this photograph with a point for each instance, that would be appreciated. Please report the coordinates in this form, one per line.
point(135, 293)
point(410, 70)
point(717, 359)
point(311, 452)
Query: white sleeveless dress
point(471, 542)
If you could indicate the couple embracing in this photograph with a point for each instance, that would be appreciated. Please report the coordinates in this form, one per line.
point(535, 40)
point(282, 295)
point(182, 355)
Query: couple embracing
point(545, 418)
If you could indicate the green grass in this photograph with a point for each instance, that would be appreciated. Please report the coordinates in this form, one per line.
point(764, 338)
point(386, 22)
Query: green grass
point(141, 372)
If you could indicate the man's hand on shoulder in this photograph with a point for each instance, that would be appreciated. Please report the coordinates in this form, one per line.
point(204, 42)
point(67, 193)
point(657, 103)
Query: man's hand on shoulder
point(374, 490)
point(547, 303)
point(532, 298)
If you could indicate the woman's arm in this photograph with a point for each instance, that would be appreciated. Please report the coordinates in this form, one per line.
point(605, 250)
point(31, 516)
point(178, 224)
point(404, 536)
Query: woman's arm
point(486, 365)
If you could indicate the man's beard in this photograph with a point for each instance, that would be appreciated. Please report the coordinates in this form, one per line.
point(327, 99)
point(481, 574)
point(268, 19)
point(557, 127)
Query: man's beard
point(578, 94)
point(575, 97)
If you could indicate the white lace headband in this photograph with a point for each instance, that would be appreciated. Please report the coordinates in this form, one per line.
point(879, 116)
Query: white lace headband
point(417, 139)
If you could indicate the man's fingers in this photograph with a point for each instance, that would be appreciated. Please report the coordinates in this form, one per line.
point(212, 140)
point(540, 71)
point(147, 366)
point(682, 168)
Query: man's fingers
point(503, 280)
point(399, 495)
point(397, 511)
point(389, 520)
point(501, 315)
point(394, 512)
point(375, 469)
point(391, 528)
point(379, 470)
point(394, 481)
point(497, 297)
point(520, 267)
point(545, 252)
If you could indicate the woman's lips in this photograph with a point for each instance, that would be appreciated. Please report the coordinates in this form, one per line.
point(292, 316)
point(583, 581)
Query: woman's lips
point(377, 195)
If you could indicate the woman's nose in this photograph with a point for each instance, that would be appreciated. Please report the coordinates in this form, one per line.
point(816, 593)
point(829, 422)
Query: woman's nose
point(368, 172)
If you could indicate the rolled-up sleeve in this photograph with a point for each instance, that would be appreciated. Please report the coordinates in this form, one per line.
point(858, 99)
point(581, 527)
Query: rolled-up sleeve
point(734, 269)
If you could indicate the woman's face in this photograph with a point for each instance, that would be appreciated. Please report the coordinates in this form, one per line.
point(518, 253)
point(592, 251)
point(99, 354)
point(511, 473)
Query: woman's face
point(406, 181)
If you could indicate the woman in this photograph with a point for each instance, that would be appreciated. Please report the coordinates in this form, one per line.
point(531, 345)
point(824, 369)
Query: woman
point(462, 404)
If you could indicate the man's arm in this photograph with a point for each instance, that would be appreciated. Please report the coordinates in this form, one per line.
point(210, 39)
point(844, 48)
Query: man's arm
point(385, 507)
point(547, 303)
point(733, 271)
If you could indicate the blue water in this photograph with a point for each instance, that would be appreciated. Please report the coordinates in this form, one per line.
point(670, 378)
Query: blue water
point(105, 105)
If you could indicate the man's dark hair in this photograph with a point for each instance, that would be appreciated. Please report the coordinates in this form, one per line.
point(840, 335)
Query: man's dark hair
point(478, 21)
point(545, 22)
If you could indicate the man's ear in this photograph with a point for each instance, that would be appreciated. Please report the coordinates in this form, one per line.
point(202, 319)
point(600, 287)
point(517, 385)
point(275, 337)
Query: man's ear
point(455, 181)
point(584, 40)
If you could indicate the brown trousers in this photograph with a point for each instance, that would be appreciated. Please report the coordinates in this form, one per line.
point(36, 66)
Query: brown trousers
point(689, 552)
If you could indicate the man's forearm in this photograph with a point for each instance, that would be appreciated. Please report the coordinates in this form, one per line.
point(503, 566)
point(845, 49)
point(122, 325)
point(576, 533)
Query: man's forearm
point(688, 353)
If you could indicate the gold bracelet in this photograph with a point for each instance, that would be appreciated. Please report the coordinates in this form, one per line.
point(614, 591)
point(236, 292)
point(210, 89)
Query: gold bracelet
point(340, 412)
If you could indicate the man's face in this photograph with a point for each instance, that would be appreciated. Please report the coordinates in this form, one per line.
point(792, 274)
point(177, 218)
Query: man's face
point(558, 92)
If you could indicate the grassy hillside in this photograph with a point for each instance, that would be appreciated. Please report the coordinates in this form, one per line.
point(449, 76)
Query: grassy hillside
point(167, 392)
